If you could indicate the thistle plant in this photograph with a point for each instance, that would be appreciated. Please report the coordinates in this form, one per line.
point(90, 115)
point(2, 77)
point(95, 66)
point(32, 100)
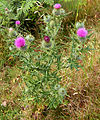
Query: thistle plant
point(79, 37)
point(53, 21)
point(41, 69)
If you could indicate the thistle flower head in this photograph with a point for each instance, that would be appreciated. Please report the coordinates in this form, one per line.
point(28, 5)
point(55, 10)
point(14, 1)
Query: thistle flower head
point(57, 6)
point(82, 32)
point(20, 42)
point(47, 39)
point(17, 22)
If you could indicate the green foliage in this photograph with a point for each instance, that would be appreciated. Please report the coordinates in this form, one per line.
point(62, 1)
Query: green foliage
point(40, 78)
point(41, 65)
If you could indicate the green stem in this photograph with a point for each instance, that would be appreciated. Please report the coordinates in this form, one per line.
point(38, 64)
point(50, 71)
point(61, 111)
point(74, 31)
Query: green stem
point(77, 12)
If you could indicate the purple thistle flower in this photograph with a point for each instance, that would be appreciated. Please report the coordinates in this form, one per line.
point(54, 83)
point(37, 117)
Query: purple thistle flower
point(82, 32)
point(20, 42)
point(47, 39)
point(57, 6)
point(17, 22)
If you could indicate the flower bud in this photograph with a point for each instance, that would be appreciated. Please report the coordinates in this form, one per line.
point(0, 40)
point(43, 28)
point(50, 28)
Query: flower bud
point(6, 12)
point(52, 23)
point(18, 9)
point(57, 87)
point(10, 48)
point(47, 45)
point(57, 21)
point(12, 32)
point(62, 11)
point(47, 39)
point(79, 25)
point(17, 22)
point(6, 9)
point(47, 18)
point(62, 92)
point(30, 38)
point(47, 29)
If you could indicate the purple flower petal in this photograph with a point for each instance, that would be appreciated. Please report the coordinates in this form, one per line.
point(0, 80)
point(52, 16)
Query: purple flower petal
point(17, 22)
point(82, 32)
point(46, 38)
point(20, 42)
point(57, 6)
